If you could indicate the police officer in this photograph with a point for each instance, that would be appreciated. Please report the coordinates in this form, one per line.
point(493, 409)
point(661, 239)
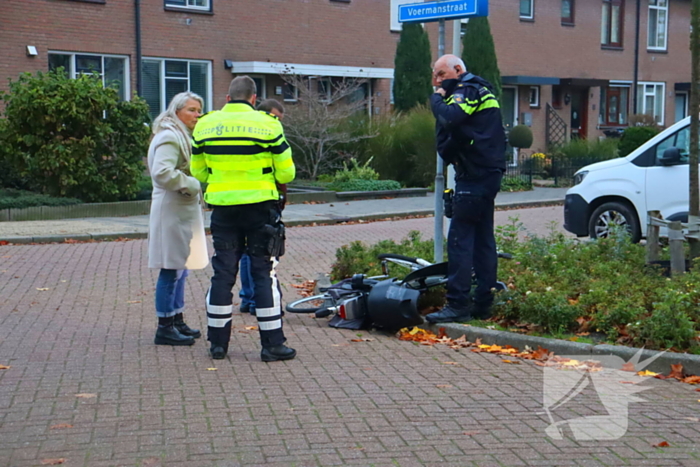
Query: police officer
point(242, 154)
point(470, 135)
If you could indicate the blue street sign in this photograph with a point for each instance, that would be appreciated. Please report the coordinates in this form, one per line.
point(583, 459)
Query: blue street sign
point(435, 11)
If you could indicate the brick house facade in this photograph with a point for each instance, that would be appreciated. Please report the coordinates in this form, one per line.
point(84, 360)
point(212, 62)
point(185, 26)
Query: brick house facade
point(560, 60)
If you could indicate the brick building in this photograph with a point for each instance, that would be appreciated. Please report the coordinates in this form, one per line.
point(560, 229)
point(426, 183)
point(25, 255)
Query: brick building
point(569, 67)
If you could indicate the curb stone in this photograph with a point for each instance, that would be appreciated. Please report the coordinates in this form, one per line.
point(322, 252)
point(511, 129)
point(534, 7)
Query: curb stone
point(662, 364)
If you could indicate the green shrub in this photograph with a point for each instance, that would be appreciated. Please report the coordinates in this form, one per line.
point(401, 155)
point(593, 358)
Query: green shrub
point(404, 148)
point(355, 172)
point(520, 137)
point(515, 184)
point(669, 325)
point(19, 199)
point(364, 185)
point(635, 136)
point(73, 137)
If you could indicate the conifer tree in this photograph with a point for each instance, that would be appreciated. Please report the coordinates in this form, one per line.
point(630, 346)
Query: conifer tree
point(479, 52)
point(412, 71)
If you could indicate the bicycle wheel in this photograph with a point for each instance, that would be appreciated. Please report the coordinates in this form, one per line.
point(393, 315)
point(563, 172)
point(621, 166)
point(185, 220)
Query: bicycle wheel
point(406, 261)
point(310, 304)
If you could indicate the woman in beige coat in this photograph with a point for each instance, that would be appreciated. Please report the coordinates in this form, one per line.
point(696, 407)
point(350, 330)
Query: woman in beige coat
point(176, 239)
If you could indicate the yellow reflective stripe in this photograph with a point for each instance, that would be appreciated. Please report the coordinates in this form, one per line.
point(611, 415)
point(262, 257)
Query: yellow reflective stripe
point(489, 104)
point(216, 187)
point(450, 100)
point(468, 109)
point(285, 164)
point(231, 163)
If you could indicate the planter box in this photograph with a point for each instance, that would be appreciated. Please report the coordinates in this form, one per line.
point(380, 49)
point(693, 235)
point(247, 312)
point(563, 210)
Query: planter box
point(41, 213)
point(401, 193)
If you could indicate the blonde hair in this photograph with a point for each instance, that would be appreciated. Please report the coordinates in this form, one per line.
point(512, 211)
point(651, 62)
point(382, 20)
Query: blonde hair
point(177, 103)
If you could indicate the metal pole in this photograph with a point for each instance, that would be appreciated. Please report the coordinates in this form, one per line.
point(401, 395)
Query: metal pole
point(636, 60)
point(439, 236)
point(137, 24)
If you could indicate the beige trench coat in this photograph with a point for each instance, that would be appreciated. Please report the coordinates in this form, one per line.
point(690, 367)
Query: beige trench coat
point(176, 238)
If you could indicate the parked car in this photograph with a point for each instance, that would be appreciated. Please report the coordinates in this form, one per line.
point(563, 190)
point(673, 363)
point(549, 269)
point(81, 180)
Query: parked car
point(654, 177)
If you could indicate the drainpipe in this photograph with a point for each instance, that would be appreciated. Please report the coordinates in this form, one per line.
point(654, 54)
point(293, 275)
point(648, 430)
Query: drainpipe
point(636, 58)
point(137, 22)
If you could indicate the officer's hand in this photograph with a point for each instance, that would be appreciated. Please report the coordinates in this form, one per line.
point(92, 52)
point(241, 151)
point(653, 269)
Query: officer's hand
point(441, 91)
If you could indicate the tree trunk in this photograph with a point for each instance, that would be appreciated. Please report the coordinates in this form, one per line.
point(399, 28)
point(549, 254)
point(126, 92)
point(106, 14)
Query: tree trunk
point(694, 110)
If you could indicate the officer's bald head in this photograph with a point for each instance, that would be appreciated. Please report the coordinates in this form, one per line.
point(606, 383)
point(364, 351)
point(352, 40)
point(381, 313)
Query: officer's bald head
point(242, 88)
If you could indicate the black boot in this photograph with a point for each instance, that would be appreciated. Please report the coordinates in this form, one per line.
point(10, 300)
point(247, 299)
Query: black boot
point(184, 329)
point(217, 352)
point(278, 352)
point(167, 334)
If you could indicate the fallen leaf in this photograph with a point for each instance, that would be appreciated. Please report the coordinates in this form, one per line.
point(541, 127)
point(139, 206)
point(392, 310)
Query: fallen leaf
point(86, 395)
point(212, 369)
point(443, 385)
point(470, 433)
point(692, 419)
point(478, 341)
point(646, 373)
point(662, 444)
point(61, 425)
point(133, 301)
point(676, 371)
point(5, 367)
point(450, 363)
point(150, 461)
point(363, 339)
point(629, 366)
point(514, 362)
point(43, 289)
point(53, 461)
point(627, 382)
point(251, 328)
point(691, 380)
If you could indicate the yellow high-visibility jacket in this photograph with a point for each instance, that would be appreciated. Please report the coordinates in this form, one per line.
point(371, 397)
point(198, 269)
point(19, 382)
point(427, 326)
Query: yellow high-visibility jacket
point(240, 153)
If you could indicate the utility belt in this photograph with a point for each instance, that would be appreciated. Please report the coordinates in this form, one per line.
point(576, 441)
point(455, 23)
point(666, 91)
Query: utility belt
point(267, 241)
point(275, 234)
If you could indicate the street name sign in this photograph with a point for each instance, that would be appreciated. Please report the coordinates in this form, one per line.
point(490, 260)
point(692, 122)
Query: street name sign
point(435, 11)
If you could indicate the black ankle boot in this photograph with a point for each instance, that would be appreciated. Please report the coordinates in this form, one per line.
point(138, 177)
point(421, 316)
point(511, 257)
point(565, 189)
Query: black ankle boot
point(167, 334)
point(278, 352)
point(185, 330)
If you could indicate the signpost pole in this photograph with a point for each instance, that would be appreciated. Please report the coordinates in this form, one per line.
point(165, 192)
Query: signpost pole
point(438, 235)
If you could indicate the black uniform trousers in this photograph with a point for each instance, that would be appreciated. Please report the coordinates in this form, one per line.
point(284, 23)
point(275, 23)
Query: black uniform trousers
point(235, 230)
point(471, 245)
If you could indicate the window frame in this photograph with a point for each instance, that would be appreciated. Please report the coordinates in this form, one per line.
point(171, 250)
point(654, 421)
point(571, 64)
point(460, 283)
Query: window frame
point(286, 86)
point(161, 75)
point(658, 9)
point(536, 103)
point(167, 4)
point(604, 91)
point(608, 6)
point(569, 20)
point(263, 87)
point(72, 73)
point(642, 94)
point(531, 15)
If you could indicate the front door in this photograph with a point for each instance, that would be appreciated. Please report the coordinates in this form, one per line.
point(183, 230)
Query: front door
point(579, 113)
point(681, 102)
point(509, 111)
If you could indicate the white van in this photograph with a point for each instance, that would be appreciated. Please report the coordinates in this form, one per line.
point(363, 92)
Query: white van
point(620, 191)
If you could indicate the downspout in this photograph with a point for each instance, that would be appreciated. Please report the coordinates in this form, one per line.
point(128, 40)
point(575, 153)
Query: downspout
point(137, 22)
point(636, 58)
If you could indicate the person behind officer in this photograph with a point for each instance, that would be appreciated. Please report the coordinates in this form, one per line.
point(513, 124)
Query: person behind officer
point(470, 135)
point(242, 153)
point(274, 109)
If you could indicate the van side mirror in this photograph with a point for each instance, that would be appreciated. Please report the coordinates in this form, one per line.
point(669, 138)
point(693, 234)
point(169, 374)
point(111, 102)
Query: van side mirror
point(672, 156)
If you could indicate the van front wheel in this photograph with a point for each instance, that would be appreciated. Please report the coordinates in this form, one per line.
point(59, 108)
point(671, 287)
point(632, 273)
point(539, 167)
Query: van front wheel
point(608, 215)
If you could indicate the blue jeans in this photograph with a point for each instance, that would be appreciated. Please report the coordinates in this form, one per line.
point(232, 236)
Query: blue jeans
point(247, 293)
point(471, 246)
point(170, 292)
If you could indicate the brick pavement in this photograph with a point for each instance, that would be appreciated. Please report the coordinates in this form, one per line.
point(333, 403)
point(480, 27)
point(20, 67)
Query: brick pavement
point(377, 403)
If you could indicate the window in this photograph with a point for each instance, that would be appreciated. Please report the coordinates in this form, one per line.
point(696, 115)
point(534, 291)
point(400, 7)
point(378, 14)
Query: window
point(260, 87)
point(567, 11)
point(463, 25)
point(394, 24)
point(611, 23)
point(614, 102)
point(556, 97)
point(658, 24)
point(161, 79)
point(650, 100)
point(527, 9)
point(534, 96)
point(324, 89)
point(680, 140)
point(112, 69)
point(290, 92)
point(202, 5)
